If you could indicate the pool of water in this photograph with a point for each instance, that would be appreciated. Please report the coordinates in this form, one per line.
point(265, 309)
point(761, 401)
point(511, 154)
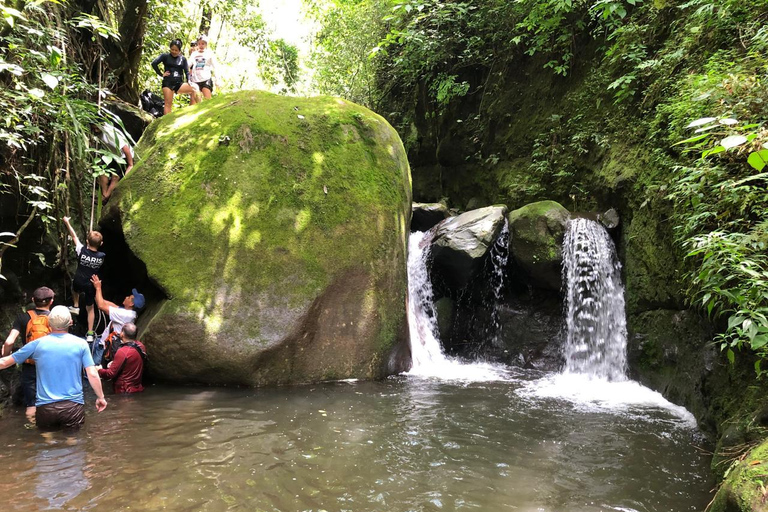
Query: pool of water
point(405, 444)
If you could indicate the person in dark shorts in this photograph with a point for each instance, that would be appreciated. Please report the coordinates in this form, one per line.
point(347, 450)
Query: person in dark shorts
point(60, 359)
point(175, 75)
point(89, 261)
point(127, 369)
point(202, 63)
point(121, 164)
point(34, 324)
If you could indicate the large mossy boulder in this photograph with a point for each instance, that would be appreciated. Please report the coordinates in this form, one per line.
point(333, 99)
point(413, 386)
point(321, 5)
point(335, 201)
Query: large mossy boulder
point(536, 234)
point(277, 228)
point(462, 243)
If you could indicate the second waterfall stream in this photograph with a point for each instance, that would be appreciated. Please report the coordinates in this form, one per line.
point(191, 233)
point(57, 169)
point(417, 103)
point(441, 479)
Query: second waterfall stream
point(426, 352)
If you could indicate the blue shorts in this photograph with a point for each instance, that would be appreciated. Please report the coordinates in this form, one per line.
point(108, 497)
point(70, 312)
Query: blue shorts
point(28, 384)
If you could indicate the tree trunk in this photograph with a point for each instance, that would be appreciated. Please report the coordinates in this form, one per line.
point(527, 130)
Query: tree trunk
point(121, 58)
point(124, 62)
point(205, 19)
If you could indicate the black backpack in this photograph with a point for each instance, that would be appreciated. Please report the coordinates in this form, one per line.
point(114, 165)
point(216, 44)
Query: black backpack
point(152, 103)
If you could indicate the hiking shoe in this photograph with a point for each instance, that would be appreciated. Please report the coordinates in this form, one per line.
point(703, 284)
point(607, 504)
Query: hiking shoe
point(73, 310)
point(89, 336)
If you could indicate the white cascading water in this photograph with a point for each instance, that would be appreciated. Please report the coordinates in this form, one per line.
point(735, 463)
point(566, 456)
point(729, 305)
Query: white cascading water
point(594, 377)
point(426, 352)
point(422, 317)
point(597, 332)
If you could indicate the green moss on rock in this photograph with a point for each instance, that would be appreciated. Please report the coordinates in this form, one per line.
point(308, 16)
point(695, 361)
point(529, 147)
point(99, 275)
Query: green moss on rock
point(536, 240)
point(745, 489)
point(277, 227)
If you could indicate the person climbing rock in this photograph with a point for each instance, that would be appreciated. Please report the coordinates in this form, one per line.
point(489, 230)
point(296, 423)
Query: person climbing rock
point(117, 143)
point(175, 75)
point(60, 359)
point(127, 368)
point(118, 316)
point(201, 65)
point(34, 324)
point(89, 261)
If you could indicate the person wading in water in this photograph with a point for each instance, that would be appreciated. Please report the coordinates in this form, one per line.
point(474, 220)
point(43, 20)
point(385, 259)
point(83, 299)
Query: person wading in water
point(34, 325)
point(127, 368)
point(60, 359)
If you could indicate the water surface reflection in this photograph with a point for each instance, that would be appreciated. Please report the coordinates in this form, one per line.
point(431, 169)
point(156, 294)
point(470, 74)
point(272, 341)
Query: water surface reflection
point(406, 444)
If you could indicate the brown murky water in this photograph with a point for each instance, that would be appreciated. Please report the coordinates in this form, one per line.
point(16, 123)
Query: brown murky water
point(405, 444)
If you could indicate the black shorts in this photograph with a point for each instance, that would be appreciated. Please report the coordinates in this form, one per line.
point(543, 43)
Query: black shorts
point(208, 84)
point(28, 384)
point(86, 288)
point(172, 84)
point(65, 414)
point(117, 168)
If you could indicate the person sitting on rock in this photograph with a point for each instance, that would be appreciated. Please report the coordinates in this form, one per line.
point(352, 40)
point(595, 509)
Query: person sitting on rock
point(118, 316)
point(89, 261)
point(127, 368)
point(60, 359)
point(34, 325)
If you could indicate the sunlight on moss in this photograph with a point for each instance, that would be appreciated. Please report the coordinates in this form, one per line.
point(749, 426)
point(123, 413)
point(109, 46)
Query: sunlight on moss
point(189, 117)
point(302, 220)
point(403, 229)
point(253, 239)
point(252, 211)
point(213, 323)
point(236, 230)
point(137, 205)
point(318, 159)
point(230, 214)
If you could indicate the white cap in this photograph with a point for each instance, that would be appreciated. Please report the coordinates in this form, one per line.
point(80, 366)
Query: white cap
point(60, 318)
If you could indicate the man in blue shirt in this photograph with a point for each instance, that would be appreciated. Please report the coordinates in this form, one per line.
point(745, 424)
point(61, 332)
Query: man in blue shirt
point(59, 362)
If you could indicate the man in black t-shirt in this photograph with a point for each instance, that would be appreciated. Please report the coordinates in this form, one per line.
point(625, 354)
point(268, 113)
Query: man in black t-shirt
point(43, 300)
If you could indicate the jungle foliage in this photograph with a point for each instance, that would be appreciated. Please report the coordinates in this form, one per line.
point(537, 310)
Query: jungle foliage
point(59, 60)
point(653, 70)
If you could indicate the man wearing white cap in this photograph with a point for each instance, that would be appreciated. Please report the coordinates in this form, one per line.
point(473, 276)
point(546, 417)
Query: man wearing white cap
point(60, 359)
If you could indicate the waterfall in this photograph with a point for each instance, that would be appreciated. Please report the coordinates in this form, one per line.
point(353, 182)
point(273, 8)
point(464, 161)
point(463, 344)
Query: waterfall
point(422, 317)
point(426, 353)
point(597, 333)
point(499, 254)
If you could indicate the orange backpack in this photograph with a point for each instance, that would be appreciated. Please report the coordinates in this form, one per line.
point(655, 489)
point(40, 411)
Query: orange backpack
point(37, 327)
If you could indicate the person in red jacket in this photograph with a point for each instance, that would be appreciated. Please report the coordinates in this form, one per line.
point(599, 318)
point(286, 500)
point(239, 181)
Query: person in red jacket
point(127, 368)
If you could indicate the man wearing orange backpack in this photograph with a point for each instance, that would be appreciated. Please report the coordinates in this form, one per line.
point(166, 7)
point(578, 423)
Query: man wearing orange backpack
point(34, 323)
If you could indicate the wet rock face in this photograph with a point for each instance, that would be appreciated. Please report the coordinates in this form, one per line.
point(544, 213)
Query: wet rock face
point(461, 244)
point(536, 234)
point(428, 215)
point(282, 254)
